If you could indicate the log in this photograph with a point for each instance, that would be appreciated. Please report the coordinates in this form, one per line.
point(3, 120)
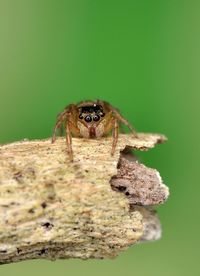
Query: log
point(52, 208)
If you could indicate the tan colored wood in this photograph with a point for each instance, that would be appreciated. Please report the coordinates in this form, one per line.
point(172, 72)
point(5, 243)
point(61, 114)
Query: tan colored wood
point(53, 208)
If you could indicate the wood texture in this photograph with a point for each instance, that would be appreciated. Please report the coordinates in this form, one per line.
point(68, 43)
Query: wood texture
point(53, 208)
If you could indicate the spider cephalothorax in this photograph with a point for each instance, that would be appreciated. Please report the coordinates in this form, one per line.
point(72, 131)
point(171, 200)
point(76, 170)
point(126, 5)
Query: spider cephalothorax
point(90, 119)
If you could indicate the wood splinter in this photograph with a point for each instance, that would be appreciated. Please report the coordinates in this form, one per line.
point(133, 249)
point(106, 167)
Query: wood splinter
point(95, 207)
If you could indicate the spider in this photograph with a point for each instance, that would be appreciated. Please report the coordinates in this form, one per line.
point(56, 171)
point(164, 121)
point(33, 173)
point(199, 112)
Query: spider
point(90, 119)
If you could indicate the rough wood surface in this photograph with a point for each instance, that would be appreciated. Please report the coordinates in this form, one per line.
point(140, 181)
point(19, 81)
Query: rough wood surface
point(52, 208)
point(142, 185)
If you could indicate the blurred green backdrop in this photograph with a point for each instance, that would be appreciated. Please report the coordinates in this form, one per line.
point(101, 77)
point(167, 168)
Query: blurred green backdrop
point(143, 57)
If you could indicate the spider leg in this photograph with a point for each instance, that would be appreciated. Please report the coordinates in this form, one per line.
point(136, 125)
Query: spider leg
point(123, 120)
point(115, 136)
point(59, 121)
point(69, 141)
point(61, 130)
point(121, 128)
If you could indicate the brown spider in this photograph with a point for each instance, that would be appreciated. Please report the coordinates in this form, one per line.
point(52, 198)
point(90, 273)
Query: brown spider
point(90, 119)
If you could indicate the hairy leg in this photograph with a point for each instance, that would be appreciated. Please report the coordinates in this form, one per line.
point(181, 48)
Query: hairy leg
point(61, 131)
point(69, 141)
point(115, 136)
point(120, 118)
point(123, 120)
point(60, 118)
point(59, 121)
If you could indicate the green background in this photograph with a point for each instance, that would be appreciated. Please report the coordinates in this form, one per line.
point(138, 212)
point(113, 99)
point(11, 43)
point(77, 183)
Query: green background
point(141, 56)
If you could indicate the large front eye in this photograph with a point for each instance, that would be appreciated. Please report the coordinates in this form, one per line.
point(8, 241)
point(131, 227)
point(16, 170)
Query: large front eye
point(88, 118)
point(96, 118)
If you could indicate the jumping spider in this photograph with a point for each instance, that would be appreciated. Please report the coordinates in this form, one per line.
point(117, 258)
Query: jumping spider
point(90, 119)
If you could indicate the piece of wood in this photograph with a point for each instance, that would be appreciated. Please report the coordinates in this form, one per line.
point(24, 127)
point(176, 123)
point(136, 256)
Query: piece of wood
point(142, 185)
point(52, 208)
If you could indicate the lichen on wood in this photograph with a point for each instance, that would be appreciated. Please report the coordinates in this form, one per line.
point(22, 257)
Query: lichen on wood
point(52, 208)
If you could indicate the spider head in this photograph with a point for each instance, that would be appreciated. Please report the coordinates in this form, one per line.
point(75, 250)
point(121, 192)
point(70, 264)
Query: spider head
point(91, 114)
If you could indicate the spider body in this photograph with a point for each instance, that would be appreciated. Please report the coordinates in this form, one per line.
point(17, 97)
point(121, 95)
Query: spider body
point(90, 119)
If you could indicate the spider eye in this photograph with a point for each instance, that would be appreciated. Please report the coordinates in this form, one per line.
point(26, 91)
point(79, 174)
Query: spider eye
point(80, 116)
point(88, 118)
point(96, 118)
point(102, 114)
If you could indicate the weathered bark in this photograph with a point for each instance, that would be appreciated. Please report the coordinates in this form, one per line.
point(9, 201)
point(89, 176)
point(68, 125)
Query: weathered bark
point(142, 185)
point(52, 208)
